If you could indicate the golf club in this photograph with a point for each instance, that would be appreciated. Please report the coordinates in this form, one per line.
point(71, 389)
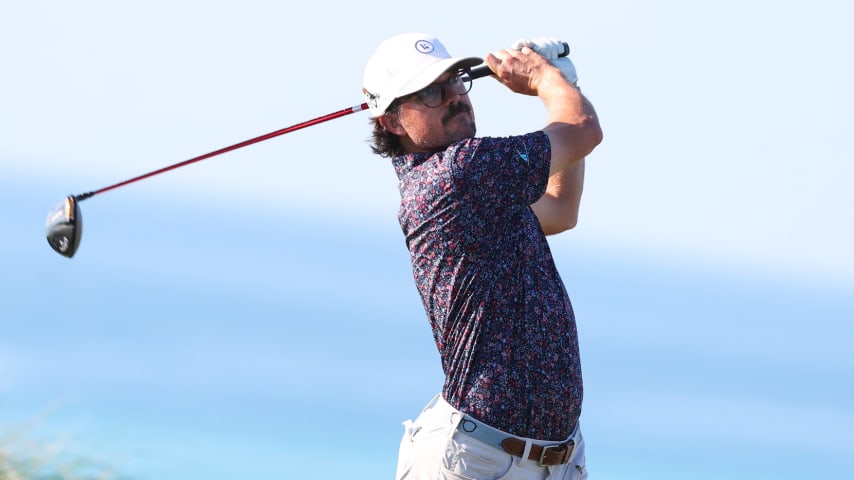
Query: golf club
point(64, 225)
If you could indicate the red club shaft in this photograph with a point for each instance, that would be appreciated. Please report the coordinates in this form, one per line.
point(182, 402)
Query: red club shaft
point(242, 144)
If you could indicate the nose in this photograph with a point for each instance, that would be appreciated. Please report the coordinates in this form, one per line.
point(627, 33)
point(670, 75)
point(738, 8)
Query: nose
point(449, 94)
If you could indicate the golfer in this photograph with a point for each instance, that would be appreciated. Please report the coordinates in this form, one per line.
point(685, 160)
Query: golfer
point(475, 212)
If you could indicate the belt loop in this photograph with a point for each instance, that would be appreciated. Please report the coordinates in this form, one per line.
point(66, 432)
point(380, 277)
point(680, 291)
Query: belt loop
point(525, 454)
point(455, 418)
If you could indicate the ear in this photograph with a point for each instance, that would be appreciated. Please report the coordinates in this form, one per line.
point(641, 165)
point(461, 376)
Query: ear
point(392, 124)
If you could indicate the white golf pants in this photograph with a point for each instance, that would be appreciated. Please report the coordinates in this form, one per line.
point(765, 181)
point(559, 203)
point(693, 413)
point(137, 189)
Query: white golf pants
point(432, 448)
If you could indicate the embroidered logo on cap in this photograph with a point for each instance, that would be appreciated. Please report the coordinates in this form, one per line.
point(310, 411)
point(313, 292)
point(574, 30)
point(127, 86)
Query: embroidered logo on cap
point(424, 46)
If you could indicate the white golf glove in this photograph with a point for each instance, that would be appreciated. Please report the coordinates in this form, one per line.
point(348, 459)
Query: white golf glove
point(551, 49)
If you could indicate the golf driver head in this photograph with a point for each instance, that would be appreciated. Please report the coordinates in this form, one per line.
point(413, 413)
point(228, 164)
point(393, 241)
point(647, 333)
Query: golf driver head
point(64, 227)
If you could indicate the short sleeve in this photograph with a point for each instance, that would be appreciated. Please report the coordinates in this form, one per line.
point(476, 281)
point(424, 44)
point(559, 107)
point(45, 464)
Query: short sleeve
point(496, 174)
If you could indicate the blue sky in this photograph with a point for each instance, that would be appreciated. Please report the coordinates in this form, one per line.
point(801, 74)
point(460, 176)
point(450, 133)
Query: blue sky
point(230, 317)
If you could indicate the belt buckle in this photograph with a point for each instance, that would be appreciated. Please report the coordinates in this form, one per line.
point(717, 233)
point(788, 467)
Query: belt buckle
point(569, 446)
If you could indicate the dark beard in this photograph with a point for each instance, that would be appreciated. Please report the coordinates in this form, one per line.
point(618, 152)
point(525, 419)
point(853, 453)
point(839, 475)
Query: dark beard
point(468, 131)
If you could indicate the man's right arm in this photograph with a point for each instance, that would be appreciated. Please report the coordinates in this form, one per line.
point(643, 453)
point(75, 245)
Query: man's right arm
point(572, 127)
point(571, 123)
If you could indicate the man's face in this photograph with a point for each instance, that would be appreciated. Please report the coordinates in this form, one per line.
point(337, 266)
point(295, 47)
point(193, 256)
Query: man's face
point(432, 126)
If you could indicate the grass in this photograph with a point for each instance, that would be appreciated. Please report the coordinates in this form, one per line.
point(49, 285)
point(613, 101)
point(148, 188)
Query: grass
point(23, 457)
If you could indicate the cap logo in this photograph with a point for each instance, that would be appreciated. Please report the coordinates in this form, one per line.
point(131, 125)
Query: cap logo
point(424, 46)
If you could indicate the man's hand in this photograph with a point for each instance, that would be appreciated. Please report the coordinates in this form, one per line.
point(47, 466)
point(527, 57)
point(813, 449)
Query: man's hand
point(551, 49)
point(523, 71)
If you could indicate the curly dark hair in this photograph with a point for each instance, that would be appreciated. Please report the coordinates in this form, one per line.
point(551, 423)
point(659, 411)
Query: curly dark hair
point(385, 143)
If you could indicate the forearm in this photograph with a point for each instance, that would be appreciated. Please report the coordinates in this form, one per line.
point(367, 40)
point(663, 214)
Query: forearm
point(573, 128)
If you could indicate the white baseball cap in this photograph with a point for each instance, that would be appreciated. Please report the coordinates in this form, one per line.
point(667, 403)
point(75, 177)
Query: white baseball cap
point(404, 64)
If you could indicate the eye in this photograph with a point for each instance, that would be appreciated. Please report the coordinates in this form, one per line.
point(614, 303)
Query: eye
point(431, 90)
